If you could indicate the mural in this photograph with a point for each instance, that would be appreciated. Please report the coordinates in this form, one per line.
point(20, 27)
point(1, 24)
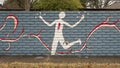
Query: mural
point(58, 33)
point(10, 40)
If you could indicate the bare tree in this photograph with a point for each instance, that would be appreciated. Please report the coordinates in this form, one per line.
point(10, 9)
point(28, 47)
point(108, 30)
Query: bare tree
point(99, 3)
point(21, 3)
point(29, 4)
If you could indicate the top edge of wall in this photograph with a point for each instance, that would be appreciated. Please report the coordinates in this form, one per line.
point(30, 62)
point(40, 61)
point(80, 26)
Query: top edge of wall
point(65, 10)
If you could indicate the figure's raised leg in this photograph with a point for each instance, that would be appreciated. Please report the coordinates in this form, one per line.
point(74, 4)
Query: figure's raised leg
point(67, 45)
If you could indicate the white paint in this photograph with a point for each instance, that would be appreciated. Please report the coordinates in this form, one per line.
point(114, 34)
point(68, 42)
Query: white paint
point(58, 34)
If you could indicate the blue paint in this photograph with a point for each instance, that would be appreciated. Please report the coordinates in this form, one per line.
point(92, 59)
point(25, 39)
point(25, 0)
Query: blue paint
point(104, 41)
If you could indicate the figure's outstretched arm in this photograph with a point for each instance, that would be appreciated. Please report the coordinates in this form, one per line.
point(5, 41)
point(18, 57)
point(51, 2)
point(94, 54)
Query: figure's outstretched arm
point(75, 23)
point(46, 22)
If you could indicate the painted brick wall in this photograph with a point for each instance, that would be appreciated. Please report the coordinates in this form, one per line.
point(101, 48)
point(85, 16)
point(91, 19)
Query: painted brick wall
point(97, 34)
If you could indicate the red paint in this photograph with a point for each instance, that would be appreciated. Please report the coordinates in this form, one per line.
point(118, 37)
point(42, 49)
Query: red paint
point(59, 24)
point(102, 24)
point(40, 40)
point(7, 39)
point(15, 24)
point(1, 27)
point(15, 27)
point(46, 45)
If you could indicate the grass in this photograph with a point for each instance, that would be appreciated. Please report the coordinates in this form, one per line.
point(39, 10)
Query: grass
point(59, 62)
point(59, 65)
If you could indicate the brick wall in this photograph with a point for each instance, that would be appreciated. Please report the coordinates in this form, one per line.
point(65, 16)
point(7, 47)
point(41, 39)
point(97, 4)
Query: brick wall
point(30, 35)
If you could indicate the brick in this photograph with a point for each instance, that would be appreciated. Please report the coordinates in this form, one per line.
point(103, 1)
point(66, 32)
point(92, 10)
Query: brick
point(105, 41)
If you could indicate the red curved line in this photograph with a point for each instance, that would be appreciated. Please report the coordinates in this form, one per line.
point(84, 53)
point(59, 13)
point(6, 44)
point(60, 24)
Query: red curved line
point(15, 21)
point(8, 48)
point(40, 40)
point(2, 26)
point(15, 27)
point(48, 48)
point(45, 44)
point(13, 39)
point(103, 24)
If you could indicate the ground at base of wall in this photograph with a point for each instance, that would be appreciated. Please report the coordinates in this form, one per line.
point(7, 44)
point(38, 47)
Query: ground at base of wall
point(60, 59)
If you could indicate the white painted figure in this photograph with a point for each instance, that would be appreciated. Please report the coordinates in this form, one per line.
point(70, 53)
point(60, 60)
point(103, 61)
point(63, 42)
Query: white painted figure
point(58, 34)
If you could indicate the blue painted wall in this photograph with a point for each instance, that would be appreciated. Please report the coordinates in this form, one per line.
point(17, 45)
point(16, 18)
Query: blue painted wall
point(104, 41)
